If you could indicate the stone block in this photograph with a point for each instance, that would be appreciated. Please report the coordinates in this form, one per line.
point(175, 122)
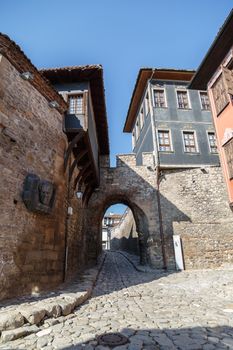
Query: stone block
point(32, 315)
point(10, 320)
point(18, 333)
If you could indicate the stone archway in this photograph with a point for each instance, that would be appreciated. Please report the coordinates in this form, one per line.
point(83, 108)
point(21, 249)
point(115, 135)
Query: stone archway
point(140, 218)
point(134, 186)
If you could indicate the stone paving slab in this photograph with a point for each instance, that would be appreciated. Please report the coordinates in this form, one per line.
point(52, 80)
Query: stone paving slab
point(135, 261)
point(16, 315)
point(189, 310)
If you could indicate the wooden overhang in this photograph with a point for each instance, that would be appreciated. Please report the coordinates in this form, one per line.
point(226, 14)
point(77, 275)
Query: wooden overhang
point(13, 53)
point(144, 75)
point(215, 55)
point(80, 139)
point(94, 75)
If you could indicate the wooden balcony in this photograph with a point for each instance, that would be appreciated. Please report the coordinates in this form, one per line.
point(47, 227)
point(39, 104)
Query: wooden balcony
point(80, 130)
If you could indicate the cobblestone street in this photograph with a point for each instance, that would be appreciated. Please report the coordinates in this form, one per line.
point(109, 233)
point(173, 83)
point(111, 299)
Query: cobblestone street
point(187, 310)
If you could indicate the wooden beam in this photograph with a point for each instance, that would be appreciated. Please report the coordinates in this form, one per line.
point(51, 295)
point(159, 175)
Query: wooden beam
point(80, 174)
point(86, 175)
point(88, 192)
point(75, 162)
point(75, 140)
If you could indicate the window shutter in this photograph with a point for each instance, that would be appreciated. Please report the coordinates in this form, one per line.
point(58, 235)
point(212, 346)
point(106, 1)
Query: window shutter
point(229, 157)
point(64, 95)
point(228, 80)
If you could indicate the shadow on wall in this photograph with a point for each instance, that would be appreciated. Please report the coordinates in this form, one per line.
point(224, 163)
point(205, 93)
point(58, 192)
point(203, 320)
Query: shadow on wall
point(129, 243)
point(134, 186)
point(165, 338)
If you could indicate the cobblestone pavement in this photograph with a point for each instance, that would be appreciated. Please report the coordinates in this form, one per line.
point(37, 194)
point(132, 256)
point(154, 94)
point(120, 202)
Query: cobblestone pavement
point(187, 310)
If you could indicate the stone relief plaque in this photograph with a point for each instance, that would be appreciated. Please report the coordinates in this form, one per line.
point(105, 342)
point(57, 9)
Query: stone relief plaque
point(38, 195)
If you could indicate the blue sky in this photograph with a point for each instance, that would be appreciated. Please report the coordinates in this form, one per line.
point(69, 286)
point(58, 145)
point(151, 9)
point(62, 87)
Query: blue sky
point(122, 35)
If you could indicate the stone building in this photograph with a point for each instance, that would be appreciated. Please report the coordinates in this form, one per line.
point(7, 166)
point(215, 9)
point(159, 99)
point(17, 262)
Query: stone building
point(110, 221)
point(56, 179)
point(57, 139)
point(173, 125)
point(216, 74)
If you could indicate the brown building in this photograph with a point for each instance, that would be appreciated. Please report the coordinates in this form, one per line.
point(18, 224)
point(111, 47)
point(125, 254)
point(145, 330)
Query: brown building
point(215, 73)
point(50, 147)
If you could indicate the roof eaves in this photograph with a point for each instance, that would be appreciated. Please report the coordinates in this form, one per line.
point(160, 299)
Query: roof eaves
point(193, 84)
point(15, 55)
point(151, 70)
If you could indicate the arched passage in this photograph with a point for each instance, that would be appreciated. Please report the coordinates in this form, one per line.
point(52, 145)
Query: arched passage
point(135, 187)
point(140, 219)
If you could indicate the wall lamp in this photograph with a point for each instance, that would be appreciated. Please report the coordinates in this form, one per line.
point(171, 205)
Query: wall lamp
point(53, 104)
point(27, 76)
point(79, 194)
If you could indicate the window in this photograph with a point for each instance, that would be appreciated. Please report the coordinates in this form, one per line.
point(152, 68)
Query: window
point(228, 148)
point(147, 108)
point(189, 142)
point(164, 141)
point(76, 104)
point(182, 99)
point(205, 103)
point(212, 142)
point(137, 129)
point(159, 98)
point(133, 140)
point(141, 118)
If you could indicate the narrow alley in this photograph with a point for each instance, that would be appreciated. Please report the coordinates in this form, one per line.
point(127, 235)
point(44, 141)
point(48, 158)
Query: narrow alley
point(150, 310)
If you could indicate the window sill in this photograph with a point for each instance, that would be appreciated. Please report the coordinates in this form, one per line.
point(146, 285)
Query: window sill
point(169, 152)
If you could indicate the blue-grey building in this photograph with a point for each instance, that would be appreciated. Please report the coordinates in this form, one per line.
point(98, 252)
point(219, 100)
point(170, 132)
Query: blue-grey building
point(171, 121)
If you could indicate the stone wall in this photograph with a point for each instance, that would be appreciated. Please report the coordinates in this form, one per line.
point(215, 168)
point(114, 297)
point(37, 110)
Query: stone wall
point(32, 245)
point(203, 219)
point(193, 204)
point(134, 186)
point(124, 236)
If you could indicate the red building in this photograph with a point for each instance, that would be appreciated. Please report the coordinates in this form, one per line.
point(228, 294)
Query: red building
point(215, 74)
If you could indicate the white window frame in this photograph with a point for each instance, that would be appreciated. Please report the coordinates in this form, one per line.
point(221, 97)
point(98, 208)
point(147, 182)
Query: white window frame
point(195, 137)
point(147, 104)
point(137, 128)
point(141, 117)
point(67, 94)
point(170, 138)
point(133, 139)
point(165, 96)
point(188, 98)
point(211, 132)
point(199, 93)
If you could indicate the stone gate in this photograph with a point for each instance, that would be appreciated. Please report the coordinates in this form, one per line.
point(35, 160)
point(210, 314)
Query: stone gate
point(191, 203)
point(134, 186)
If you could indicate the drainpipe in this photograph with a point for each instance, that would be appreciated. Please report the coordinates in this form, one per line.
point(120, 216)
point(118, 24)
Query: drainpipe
point(157, 169)
point(66, 227)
